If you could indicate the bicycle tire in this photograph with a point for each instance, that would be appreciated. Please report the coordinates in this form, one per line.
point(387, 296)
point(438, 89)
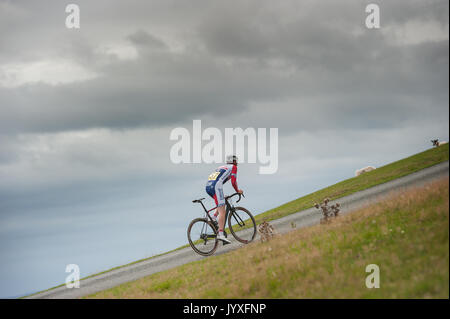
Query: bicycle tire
point(251, 224)
point(195, 243)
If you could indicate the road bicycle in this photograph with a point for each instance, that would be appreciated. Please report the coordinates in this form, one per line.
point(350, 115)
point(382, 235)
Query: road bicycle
point(202, 232)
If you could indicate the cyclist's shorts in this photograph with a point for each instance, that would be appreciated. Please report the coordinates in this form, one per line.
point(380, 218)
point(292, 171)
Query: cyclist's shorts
point(215, 190)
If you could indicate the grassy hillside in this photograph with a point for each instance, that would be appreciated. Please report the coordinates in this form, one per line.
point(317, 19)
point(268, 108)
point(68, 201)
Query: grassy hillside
point(381, 175)
point(406, 236)
point(349, 186)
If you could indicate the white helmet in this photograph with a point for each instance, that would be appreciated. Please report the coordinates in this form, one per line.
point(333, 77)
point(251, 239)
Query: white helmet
point(232, 159)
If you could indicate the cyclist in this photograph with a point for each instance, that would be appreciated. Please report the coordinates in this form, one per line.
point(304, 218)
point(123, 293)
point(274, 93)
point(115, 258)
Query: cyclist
point(214, 188)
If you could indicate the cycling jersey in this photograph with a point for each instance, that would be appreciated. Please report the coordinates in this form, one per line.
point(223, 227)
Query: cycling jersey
point(214, 186)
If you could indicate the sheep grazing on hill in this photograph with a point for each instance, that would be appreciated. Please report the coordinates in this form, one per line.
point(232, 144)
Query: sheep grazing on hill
point(436, 143)
point(364, 170)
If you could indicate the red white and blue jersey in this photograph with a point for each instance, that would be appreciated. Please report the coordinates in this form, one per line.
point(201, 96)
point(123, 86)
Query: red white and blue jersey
point(219, 177)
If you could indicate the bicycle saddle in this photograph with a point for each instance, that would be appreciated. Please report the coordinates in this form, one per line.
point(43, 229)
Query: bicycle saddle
point(198, 200)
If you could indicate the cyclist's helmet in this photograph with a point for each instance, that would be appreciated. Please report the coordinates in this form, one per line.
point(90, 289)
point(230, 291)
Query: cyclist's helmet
point(232, 159)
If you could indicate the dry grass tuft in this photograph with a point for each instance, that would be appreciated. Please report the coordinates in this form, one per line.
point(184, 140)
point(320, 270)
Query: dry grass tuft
point(266, 231)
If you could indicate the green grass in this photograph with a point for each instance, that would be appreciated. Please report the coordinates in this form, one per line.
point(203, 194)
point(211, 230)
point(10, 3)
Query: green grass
point(349, 186)
point(381, 175)
point(405, 235)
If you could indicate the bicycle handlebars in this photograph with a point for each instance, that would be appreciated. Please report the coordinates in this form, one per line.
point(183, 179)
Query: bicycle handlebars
point(239, 194)
point(226, 197)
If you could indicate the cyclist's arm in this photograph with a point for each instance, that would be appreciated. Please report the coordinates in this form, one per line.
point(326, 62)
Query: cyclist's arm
point(234, 178)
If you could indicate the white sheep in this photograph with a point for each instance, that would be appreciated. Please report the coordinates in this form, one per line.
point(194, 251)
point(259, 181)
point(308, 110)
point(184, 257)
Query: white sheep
point(364, 170)
point(437, 143)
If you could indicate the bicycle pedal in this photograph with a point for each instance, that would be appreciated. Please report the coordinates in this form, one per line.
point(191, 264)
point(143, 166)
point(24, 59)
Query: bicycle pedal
point(225, 243)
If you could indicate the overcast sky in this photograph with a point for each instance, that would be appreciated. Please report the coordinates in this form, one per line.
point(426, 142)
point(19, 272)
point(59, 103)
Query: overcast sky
point(86, 114)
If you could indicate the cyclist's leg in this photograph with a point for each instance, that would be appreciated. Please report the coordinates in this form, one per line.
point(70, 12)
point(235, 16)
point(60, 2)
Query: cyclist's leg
point(210, 190)
point(215, 190)
point(220, 204)
point(221, 209)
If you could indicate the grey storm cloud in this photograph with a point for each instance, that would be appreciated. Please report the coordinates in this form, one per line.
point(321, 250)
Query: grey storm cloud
point(235, 56)
point(296, 65)
point(142, 38)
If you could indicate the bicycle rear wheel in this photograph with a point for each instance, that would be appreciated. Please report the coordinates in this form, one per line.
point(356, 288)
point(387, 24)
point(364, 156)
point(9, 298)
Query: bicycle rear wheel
point(202, 236)
point(242, 225)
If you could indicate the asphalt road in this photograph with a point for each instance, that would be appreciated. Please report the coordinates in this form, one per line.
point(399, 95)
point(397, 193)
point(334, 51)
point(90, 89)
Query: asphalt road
point(301, 219)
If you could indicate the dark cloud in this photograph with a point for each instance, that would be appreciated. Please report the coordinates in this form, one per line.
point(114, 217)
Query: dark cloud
point(252, 55)
point(142, 38)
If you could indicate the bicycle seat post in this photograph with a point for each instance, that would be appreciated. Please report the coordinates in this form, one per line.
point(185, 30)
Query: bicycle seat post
point(206, 211)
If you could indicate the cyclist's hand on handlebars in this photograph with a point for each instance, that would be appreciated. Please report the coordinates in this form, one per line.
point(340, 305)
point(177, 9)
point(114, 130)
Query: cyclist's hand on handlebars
point(240, 191)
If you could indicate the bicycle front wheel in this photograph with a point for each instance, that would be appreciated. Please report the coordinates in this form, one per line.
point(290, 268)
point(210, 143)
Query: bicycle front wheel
point(202, 236)
point(242, 225)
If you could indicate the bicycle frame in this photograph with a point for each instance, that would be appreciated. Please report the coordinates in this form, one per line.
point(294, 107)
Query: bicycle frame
point(234, 228)
point(207, 211)
point(229, 208)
